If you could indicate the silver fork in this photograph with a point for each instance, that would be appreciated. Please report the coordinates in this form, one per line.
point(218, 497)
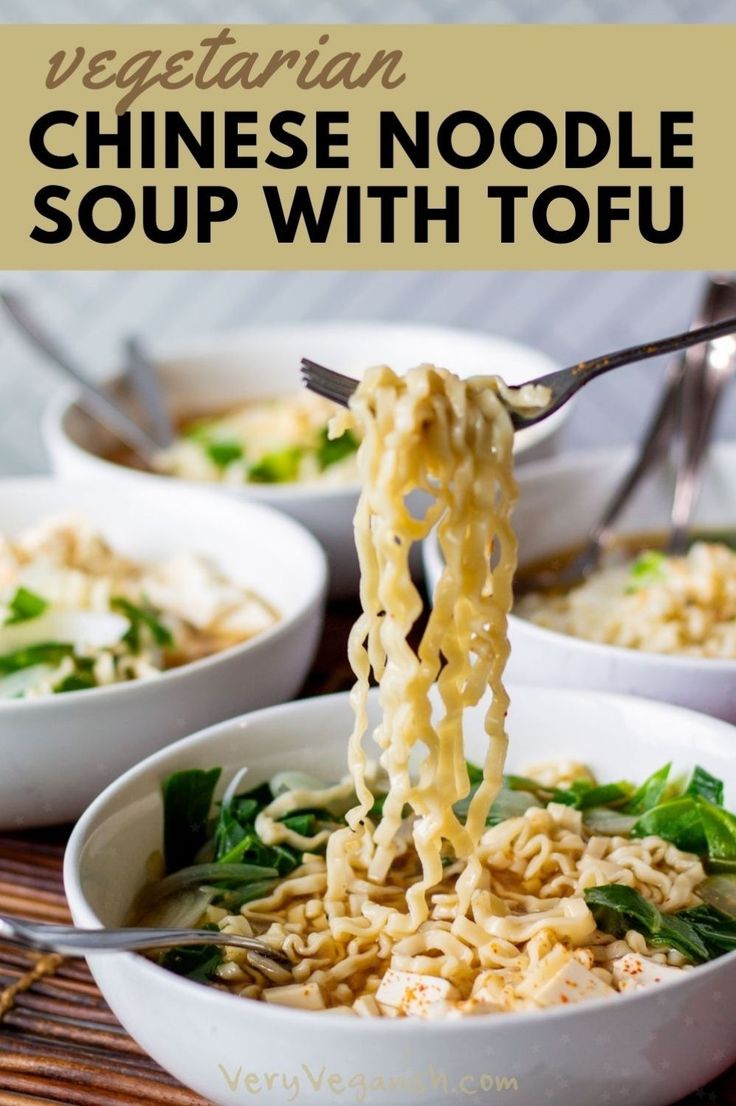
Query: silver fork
point(694, 385)
point(75, 941)
point(562, 384)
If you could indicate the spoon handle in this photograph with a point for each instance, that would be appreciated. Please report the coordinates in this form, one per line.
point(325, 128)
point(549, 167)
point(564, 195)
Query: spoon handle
point(92, 398)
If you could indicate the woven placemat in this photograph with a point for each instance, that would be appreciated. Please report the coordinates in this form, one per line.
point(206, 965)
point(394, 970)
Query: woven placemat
point(59, 1042)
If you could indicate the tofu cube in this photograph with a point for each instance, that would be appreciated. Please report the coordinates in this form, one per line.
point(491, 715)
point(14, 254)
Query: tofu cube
point(305, 996)
point(420, 996)
point(632, 972)
point(367, 1007)
point(570, 984)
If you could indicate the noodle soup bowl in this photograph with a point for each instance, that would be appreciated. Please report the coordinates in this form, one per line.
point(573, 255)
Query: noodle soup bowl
point(59, 751)
point(646, 1049)
point(217, 373)
point(559, 502)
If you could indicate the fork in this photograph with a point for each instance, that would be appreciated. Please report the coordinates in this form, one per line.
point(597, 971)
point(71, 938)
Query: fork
point(75, 941)
point(694, 386)
point(562, 384)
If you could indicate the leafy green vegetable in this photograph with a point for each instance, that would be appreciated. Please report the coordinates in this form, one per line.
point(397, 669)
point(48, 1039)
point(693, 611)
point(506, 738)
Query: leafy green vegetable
point(236, 839)
point(198, 964)
point(77, 681)
point(376, 811)
point(81, 679)
point(332, 450)
point(617, 909)
point(716, 929)
point(606, 794)
point(723, 867)
point(650, 793)
point(207, 876)
point(236, 820)
point(612, 823)
point(475, 774)
point(303, 824)
point(223, 453)
point(649, 568)
point(705, 786)
point(582, 794)
point(277, 468)
point(142, 618)
point(48, 652)
point(678, 821)
point(187, 799)
point(719, 826)
point(234, 898)
point(526, 783)
point(195, 963)
point(509, 803)
point(24, 606)
point(720, 891)
point(693, 819)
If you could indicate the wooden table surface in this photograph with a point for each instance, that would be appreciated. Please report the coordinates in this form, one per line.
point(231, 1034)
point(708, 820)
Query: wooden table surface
point(59, 1042)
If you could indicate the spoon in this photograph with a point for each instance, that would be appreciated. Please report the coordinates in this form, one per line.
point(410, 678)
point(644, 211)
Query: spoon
point(93, 399)
point(75, 941)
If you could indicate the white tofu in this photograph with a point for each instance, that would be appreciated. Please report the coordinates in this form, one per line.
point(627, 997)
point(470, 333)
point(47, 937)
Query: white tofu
point(571, 983)
point(420, 996)
point(632, 972)
point(482, 1002)
point(305, 996)
point(367, 1007)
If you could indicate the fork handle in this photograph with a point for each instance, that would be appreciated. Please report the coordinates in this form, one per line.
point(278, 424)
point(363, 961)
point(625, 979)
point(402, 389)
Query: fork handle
point(564, 383)
point(590, 369)
point(72, 941)
point(701, 398)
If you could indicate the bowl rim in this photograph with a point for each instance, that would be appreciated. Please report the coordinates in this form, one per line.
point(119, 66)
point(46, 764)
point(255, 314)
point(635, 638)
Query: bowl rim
point(281, 1014)
point(547, 471)
point(60, 404)
point(648, 659)
point(310, 547)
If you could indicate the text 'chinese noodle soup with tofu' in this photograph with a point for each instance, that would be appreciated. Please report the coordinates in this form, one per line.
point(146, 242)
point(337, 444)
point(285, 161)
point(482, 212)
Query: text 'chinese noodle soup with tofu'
point(423, 885)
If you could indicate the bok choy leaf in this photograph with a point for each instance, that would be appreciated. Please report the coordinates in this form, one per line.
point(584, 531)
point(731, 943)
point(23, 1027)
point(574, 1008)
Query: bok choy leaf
point(617, 909)
point(187, 799)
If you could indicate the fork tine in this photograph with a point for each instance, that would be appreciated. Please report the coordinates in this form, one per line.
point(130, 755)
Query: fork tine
point(327, 383)
point(322, 375)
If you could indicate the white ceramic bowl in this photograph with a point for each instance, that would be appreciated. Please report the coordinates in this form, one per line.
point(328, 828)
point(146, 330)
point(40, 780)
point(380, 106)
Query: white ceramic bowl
point(58, 753)
point(218, 372)
point(559, 501)
point(646, 1049)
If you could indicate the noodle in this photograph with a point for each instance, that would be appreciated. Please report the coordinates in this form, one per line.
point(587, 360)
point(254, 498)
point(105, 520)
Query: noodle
point(659, 604)
point(418, 907)
point(452, 439)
